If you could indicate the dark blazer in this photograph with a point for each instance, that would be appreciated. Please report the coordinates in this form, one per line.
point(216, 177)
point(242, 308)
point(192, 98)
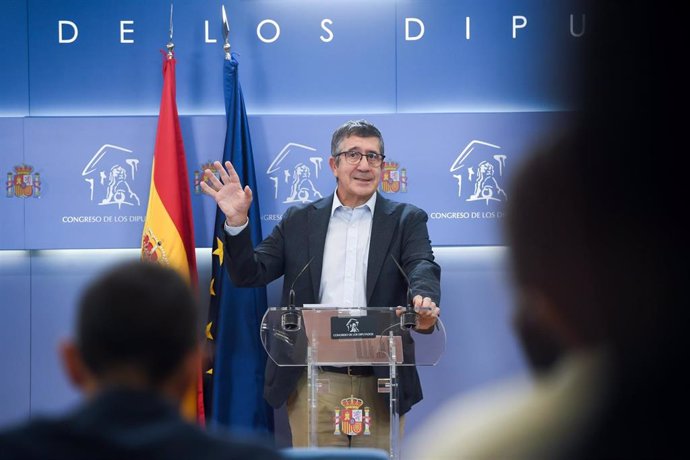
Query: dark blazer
point(123, 424)
point(397, 229)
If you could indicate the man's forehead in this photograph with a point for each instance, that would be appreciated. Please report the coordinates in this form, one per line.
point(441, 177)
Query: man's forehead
point(371, 143)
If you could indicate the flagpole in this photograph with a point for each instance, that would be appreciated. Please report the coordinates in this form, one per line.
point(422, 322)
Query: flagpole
point(170, 46)
point(226, 34)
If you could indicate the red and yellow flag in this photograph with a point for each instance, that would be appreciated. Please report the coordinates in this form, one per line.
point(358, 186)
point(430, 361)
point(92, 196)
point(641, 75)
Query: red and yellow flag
point(168, 236)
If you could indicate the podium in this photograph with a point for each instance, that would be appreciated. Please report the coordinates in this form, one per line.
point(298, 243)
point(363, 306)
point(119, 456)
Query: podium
point(322, 336)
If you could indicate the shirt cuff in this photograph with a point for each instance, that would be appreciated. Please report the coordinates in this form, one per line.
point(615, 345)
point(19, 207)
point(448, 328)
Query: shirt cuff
point(234, 231)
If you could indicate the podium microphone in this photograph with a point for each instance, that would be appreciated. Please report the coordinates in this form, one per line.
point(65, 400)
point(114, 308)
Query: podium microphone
point(408, 319)
point(291, 320)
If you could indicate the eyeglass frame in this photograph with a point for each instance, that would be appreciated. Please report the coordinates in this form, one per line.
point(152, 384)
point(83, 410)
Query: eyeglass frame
point(362, 155)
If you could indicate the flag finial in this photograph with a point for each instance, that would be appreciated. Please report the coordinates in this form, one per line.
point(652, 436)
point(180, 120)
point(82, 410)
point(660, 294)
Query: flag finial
point(226, 33)
point(170, 46)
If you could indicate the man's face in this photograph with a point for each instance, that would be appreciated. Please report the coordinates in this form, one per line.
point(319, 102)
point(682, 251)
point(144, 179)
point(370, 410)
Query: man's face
point(356, 183)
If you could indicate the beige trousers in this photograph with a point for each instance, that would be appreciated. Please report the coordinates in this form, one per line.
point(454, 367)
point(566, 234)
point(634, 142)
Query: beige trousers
point(340, 386)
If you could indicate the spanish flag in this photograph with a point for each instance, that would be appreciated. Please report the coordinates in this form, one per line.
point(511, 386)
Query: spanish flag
point(168, 236)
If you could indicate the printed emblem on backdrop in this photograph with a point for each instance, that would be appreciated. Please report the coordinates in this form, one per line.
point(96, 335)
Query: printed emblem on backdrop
point(199, 175)
point(479, 170)
point(295, 173)
point(393, 178)
point(351, 419)
point(110, 175)
point(22, 184)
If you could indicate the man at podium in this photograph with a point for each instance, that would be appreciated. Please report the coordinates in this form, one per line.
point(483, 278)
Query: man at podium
point(342, 250)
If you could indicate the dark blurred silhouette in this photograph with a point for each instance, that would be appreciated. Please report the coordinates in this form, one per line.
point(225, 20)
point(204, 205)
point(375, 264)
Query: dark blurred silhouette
point(599, 257)
point(541, 346)
point(136, 352)
point(630, 171)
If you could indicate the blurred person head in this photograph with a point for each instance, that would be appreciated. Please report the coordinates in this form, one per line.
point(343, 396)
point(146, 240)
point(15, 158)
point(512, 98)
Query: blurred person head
point(136, 327)
point(598, 251)
point(592, 253)
point(592, 223)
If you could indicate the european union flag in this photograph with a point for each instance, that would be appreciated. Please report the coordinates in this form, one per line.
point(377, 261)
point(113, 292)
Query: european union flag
point(237, 375)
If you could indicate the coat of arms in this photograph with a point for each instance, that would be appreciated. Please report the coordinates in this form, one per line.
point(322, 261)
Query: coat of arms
point(351, 419)
point(393, 179)
point(22, 183)
point(199, 175)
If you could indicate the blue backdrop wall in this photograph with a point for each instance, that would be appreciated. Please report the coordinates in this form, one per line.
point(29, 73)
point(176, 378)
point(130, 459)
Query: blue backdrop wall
point(461, 90)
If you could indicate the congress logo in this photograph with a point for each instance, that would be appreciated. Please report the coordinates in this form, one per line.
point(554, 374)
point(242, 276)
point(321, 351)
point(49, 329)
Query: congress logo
point(352, 325)
point(479, 170)
point(22, 184)
point(295, 173)
point(110, 175)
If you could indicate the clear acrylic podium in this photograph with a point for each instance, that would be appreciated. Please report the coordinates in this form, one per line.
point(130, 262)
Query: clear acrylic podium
point(316, 337)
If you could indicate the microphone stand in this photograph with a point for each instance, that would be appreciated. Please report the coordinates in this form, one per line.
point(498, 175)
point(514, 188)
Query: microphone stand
point(408, 319)
point(291, 320)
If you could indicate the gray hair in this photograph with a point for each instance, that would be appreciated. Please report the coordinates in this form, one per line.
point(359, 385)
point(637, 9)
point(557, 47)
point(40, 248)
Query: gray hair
point(359, 128)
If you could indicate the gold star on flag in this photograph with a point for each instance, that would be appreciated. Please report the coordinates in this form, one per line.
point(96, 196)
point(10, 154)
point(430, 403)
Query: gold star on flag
point(210, 288)
point(219, 251)
point(208, 330)
point(210, 371)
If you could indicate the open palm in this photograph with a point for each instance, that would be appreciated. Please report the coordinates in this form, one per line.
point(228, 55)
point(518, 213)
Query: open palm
point(228, 193)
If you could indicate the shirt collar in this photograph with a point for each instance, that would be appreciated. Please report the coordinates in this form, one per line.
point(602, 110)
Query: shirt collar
point(371, 203)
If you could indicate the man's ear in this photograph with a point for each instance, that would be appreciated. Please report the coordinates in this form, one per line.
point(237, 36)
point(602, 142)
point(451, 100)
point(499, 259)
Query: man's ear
point(74, 366)
point(540, 336)
point(331, 163)
point(551, 316)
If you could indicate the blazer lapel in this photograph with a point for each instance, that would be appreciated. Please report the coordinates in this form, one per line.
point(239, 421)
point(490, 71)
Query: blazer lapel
point(382, 229)
point(318, 217)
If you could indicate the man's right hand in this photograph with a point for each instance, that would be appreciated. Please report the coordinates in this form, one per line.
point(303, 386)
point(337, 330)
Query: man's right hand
point(228, 193)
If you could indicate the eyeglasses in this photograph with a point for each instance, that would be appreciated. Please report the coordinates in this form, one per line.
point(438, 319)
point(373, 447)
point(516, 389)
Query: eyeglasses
point(353, 157)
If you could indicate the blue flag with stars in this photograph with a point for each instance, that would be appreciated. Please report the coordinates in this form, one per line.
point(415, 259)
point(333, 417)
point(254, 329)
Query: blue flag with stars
point(235, 375)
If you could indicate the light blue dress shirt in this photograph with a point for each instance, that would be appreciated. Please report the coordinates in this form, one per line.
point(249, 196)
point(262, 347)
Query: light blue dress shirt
point(345, 254)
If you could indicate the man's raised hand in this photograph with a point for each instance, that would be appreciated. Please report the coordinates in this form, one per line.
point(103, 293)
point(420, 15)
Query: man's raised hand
point(228, 193)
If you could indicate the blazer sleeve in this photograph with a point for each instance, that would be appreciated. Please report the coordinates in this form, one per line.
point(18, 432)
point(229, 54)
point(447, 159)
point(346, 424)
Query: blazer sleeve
point(417, 258)
point(256, 267)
